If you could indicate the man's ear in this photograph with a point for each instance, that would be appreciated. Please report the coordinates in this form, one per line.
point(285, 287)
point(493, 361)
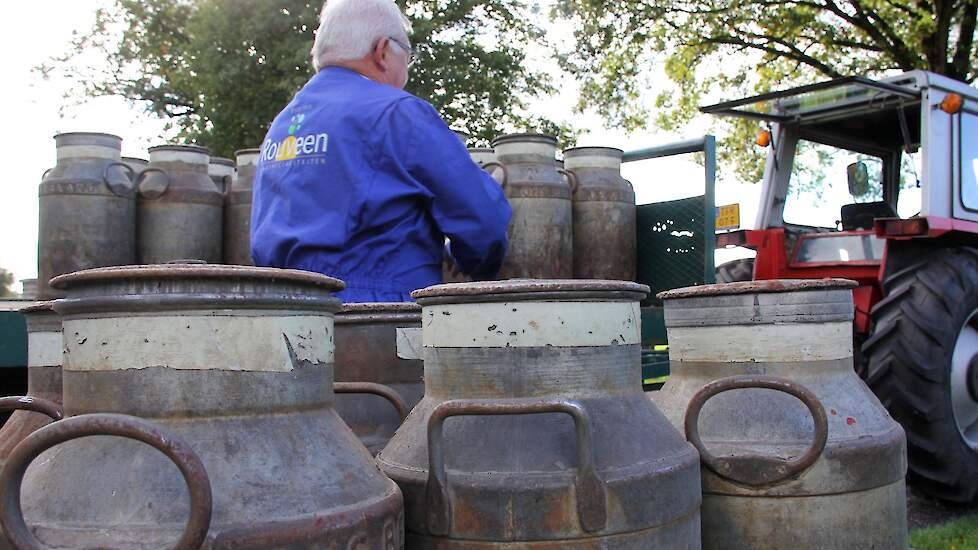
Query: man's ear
point(380, 53)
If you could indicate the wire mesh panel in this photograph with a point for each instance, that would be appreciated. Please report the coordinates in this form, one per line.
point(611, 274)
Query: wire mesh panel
point(672, 245)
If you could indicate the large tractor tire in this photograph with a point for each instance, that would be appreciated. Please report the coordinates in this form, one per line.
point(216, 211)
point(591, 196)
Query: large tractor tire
point(922, 362)
point(736, 270)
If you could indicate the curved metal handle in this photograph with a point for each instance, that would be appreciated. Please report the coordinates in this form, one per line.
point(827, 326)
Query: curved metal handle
point(105, 178)
point(591, 506)
point(175, 448)
point(572, 179)
point(502, 167)
point(46, 172)
point(226, 187)
point(376, 389)
point(142, 179)
point(33, 404)
point(753, 469)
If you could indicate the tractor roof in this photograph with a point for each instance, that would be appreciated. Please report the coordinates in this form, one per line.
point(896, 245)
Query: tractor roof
point(825, 100)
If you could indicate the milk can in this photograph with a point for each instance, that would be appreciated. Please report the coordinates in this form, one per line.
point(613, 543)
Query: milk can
point(237, 362)
point(43, 400)
point(87, 209)
point(368, 361)
point(180, 208)
point(221, 172)
point(540, 230)
point(604, 215)
point(237, 213)
point(137, 165)
point(534, 428)
point(796, 450)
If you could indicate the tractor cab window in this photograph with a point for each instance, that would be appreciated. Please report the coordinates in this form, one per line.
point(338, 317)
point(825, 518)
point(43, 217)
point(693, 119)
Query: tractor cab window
point(824, 179)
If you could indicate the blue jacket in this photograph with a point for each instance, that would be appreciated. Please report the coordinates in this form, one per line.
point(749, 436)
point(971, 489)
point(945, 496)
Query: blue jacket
point(363, 181)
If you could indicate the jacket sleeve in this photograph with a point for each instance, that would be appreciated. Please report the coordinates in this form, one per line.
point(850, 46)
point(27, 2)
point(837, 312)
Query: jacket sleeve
point(467, 204)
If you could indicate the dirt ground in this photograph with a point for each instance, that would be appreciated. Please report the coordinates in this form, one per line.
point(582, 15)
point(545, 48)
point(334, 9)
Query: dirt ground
point(923, 511)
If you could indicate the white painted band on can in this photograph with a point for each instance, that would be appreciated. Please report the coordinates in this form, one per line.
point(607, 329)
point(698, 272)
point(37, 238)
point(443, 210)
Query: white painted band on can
point(531, 324)
point(220, 170)
point(589, 161)
point(88, 151)
point(786, 343)
point(44, 349)
point(189, 157)
point(409, 343)
point(544, 150)
point(248, 159)
point(197, 342)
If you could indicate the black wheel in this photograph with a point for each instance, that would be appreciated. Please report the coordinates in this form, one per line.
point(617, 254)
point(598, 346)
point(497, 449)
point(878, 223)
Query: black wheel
point(922, 362)
point(736, 270)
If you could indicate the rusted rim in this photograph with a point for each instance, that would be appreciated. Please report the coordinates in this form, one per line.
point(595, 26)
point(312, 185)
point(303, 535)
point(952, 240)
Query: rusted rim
point(373, 388)
point(221, 161)
point(175, 448)
point(135, 160)
point(34, 404)
point(176, 271)
point(39, 307)
point(752, 469)
point(380, 307)
point(525, 136)
point(180, 148)
point(89, 134)
point(758, 287)
point(481, 150)
point(613, 152)
point(525, 286)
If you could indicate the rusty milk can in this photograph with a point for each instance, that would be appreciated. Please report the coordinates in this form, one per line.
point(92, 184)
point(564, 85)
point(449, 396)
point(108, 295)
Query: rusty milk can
point(236, 361)
point(368, 361)
point(180, 208)
point(221, 172)
point(237, 212)
point(137, 165)
point(816, 463)
point(534, 428)
point(87, 209)
point(540, 231)
point(604, 215)
point(43, 400)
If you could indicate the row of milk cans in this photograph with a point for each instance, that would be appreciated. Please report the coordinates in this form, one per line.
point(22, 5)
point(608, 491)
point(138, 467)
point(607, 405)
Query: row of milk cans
point(98, 209)
point(250, 408)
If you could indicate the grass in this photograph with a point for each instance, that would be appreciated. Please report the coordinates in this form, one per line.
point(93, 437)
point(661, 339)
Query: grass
point(960, 534)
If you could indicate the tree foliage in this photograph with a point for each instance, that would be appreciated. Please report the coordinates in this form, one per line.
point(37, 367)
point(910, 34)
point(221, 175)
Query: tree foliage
point(6, 282)
point(723, 49)
point(221, 70)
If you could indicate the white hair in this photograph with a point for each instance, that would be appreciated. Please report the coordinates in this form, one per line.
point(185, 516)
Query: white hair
point(349, 29)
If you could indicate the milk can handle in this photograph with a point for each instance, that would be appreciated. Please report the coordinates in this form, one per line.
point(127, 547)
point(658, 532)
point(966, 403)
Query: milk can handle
point(105, 178)
point(591, 506)
point(142, 179)
point(175, 448)
point(572, 179)
point(33, 404)
point(386, 392)
point(226, 188)
point(502, 167)
point(754, 469)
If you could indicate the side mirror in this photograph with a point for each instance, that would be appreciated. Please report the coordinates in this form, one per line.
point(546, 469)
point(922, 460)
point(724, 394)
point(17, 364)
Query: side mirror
point(858, 174)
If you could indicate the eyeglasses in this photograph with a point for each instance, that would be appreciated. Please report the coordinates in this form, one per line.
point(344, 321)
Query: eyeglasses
point(412, 57)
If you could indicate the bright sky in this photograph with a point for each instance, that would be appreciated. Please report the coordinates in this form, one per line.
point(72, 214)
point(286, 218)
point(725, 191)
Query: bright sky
point(31, 33)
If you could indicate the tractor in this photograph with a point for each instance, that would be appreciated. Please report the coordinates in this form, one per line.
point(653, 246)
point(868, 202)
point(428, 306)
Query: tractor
point(877, 181)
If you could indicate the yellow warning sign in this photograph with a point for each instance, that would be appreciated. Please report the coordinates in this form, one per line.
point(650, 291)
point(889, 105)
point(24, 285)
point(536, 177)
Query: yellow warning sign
point(728, 217)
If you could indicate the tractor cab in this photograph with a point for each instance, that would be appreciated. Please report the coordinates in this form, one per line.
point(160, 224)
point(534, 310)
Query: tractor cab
point(877, 181)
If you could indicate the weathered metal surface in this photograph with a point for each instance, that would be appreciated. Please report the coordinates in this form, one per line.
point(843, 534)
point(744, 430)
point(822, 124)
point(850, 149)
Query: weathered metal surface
point(238, 362)
point(43, 376)
point(540, 230)
point(173, 447)
point(221, 172)
point(237, 212)
point(137, 165)
point(366, 352)
point(87, 209)
point(604, 215)
point(757, 442)
point(180, 209)
point(521, 442)
point(758, 287)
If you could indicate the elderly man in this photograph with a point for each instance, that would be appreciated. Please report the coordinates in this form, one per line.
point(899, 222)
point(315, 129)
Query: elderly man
point(361, 180)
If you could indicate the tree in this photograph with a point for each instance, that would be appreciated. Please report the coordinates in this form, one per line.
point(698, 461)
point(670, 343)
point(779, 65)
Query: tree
point(723, 49)
point(6, 281)
point(222, 69)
